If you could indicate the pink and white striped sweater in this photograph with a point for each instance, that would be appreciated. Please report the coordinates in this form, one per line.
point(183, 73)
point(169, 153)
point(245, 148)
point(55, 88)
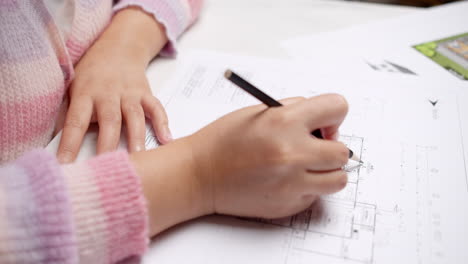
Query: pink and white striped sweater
point(91, 212)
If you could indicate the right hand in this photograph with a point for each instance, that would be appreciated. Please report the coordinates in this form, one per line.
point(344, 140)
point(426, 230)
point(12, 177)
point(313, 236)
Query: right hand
point(263, 162)
point(254, 162)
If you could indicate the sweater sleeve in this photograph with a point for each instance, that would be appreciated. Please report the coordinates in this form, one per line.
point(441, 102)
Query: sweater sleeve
point(89, 212)
point(175, 15)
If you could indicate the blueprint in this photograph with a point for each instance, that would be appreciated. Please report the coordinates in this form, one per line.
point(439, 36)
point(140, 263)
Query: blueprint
point(408, 202)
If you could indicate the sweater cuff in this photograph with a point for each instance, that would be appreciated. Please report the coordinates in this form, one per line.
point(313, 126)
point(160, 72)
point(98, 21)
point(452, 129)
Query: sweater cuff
point(35, 221)
point(174, 15)
point(108, 209)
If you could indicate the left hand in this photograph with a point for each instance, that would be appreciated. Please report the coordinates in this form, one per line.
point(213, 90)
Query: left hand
point(110, 86)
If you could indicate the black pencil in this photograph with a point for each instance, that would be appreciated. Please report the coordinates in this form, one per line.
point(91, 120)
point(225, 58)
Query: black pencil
point(270, 102)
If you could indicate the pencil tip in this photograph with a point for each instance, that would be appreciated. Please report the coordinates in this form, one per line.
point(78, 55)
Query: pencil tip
point(357, 159)
point(228, 74)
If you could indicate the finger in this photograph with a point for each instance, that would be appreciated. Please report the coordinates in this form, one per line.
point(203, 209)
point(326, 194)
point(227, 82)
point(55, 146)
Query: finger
point(324, 111)
point(134, 116)
point(321, 183)
point(292, 100)
point(332, 132)
point(310, 199)
point(262, 107)
point(109, 118)
point(155, 111)
point(75, 126)
point(323, 155)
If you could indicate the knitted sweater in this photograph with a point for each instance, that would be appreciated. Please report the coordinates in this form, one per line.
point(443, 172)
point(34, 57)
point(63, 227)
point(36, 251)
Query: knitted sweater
point(37, 58)
point(91, 212)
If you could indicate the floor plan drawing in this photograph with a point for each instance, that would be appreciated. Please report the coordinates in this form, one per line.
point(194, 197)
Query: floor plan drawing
point(338, 220)
point(406, 203)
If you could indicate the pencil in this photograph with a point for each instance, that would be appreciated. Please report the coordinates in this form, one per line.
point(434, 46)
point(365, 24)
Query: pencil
point(270, 102)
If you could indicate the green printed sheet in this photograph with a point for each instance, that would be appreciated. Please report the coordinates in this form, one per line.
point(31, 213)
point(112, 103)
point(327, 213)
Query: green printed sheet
point(450, 53)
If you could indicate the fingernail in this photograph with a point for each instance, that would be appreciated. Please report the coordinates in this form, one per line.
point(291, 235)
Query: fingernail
point(62, 159)
point(138, 148)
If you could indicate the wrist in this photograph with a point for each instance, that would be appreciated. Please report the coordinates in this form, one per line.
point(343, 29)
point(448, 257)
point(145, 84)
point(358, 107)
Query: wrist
point(202, 174)
point(171, 184)
point(112, 48)
point(136, 34)
point(133, 36)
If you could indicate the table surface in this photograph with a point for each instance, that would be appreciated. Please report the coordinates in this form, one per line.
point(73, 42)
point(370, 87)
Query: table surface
point(257, 27)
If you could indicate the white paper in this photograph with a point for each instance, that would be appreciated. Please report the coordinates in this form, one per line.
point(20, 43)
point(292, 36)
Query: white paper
point(357, 48)
point(386, 50)
point(88, 147)
point(407, 204)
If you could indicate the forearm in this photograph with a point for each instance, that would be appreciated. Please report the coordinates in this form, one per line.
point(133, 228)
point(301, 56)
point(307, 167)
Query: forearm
point(176, 16)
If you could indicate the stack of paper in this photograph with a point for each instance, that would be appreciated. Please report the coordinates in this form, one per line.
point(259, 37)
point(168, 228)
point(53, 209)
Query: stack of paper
point(402, 206)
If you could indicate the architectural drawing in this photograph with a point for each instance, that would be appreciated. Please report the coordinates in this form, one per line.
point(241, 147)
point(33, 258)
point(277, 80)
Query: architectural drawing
point(151, 141)
point(405, 204)
point(339, 221)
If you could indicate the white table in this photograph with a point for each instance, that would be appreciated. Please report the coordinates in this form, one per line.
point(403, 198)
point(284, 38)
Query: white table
point(256, 27)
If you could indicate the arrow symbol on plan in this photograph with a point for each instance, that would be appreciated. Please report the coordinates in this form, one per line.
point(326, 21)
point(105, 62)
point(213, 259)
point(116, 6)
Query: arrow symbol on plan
point(433, 103)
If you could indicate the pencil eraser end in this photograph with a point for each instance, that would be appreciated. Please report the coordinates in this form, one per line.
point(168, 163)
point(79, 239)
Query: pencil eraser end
point(228, 74)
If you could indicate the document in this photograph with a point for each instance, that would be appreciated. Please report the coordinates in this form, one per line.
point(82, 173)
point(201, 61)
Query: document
point(431, 44)
point(408, 203)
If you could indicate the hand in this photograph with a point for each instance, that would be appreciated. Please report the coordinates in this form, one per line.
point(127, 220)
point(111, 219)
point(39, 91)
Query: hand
point(107, 95)
point(110, 87)
point(256, 162)
point(261, 162)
